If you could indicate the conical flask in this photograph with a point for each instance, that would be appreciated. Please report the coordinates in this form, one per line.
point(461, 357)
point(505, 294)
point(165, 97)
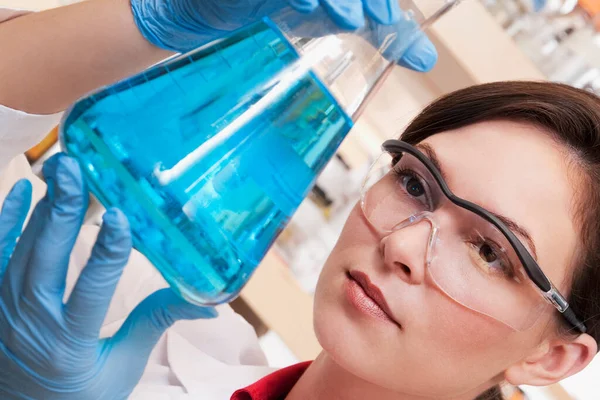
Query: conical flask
point(210, 153)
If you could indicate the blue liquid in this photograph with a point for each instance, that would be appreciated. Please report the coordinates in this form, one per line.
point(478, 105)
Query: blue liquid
point(207, 225)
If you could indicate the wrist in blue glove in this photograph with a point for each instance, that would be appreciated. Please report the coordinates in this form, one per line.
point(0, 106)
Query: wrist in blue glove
point(182, 25)
point(50, 350)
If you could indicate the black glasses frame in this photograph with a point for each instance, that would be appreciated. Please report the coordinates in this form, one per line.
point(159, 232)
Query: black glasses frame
point(533, 270)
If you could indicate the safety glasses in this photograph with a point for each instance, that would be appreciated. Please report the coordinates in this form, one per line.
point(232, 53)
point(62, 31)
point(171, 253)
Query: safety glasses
point(471, 254)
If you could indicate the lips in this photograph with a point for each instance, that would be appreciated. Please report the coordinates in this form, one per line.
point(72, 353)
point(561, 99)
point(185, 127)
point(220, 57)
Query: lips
point(373, 292)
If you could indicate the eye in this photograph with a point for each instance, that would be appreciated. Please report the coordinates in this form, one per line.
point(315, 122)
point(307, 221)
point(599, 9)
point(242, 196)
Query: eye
point(487, 253)
point(413, 186)
point(492, 259)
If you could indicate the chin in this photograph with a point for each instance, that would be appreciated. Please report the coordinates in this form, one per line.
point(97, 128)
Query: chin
point(335, 328)
point(360, 352)
point(355, 343)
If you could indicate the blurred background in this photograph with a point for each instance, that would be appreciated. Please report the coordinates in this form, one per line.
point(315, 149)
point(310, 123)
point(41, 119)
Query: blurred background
point(480, 41)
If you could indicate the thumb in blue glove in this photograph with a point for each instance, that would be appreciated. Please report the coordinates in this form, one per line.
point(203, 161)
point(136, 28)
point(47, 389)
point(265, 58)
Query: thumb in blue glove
point(182, 25)
point(48, 349)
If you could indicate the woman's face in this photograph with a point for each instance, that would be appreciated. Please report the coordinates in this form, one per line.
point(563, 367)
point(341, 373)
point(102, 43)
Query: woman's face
point(442, 348)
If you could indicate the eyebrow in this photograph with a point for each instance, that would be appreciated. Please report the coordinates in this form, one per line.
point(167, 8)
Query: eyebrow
point(430, 153)
point(511, 224)
point(518, 230)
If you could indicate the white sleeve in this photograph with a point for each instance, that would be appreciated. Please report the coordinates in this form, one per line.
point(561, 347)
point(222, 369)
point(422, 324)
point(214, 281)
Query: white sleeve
point(20, 131)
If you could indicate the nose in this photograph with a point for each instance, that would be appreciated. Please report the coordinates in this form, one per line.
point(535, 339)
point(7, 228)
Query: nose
point(404, 251)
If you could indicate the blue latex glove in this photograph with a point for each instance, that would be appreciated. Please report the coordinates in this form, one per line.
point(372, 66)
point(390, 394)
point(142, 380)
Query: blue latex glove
point(182, 25)
point(538, 5)
point(50, 350)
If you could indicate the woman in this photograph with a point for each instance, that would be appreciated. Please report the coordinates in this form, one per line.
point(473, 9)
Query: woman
point(527, 151)
point(428, 296)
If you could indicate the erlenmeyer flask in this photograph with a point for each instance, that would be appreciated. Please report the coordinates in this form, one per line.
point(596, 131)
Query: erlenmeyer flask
point(210, 153)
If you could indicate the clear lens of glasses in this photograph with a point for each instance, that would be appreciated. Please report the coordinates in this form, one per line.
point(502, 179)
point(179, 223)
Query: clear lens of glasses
point(467, 257)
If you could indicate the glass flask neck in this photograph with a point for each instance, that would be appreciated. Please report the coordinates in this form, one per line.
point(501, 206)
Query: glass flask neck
point(351, 64)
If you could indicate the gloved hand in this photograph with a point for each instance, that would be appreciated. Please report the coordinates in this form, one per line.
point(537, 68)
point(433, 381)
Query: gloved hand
point(50, 350)
point(182, 25)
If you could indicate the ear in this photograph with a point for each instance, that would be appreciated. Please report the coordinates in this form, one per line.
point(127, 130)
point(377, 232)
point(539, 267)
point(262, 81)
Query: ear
point(553, 361)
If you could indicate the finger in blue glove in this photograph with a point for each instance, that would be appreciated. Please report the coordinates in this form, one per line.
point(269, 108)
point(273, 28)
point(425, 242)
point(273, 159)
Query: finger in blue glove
point(351, 14)
point(347, 14)
point(89, 301)
point(421, 55)
point(60, 225)
point(13, 215)
point(383, 12)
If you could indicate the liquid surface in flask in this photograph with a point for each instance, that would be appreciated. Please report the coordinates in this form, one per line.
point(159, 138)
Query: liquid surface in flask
point(209, 155)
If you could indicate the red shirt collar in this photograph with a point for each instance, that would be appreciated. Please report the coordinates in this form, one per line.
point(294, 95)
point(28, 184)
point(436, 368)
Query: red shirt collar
point(275, 386)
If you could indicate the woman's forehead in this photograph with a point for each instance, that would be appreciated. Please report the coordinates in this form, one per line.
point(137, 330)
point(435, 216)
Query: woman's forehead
point(519, 171)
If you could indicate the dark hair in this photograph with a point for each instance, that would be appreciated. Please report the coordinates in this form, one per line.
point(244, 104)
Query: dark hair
point(572, 117)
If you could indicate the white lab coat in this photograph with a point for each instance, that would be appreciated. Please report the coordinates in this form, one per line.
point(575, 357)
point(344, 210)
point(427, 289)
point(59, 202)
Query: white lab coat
point(206, 359)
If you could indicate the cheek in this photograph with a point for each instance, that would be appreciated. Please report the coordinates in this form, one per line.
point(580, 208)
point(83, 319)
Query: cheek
point(454, 324)
point(478, 346)
point(357, 231)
